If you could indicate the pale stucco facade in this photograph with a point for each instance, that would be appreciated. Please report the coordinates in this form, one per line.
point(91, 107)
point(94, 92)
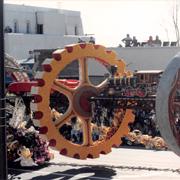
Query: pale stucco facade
point(40, 28)
point(62, 27)
point(147, 58)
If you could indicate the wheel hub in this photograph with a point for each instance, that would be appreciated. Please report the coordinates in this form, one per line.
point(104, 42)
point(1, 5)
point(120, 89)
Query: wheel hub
point(81, 100)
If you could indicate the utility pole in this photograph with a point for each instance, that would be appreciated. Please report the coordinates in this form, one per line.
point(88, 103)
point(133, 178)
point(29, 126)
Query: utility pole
point(3, 152)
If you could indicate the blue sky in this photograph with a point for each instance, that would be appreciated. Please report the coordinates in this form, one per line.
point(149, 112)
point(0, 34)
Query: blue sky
point(111, 20)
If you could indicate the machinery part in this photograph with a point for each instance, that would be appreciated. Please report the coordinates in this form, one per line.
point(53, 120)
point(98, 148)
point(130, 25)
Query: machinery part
point(168, 105)
point(15, 69)
point(78, 97)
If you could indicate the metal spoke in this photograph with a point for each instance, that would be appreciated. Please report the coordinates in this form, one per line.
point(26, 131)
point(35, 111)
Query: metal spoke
point(83, 71)
point(62, 119)
point(102, 85)
point(87, 132)
point(60, 87)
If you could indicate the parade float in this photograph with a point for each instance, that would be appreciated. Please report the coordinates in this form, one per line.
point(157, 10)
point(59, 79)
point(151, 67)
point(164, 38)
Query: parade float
point(81, 119)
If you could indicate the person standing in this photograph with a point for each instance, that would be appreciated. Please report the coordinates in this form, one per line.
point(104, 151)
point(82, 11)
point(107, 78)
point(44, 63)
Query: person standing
point(135, 42)
point(150, 41)
point(92, 40)
point(127, 40)
point(157, 41)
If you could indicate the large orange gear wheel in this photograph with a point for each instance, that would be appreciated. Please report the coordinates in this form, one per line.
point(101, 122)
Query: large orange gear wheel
point(79, 106)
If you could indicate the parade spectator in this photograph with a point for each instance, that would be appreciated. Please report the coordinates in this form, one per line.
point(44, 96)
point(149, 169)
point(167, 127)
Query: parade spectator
point(150, 41)
point(157, 41)
point(80, 40)
point(92, 40)
point(135, 42)
point(127, 40)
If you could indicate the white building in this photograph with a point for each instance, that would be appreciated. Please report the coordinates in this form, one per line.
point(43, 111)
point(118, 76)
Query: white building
point(47, 28)
point(39, 28)
point(147, 58)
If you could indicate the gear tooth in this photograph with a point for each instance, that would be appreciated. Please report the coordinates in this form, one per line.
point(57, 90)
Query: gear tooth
point(96, 46)
point(40, 82)
point(115, 146)
point(43, 130)
point(52, 142)
point(106, 151)
point(102, 152)
point(82, 45)
point(57, 55)
point(37, 98)
point(70, 48)
point(63, 151)
point(95, 155)
point(38, 115)
point(90, 156)
point(47, 67)
point(111, 53)
point(76, 156)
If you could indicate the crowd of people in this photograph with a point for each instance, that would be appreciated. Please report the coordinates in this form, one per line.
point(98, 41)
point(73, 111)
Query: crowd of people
point(133, 42)
point(91, 40)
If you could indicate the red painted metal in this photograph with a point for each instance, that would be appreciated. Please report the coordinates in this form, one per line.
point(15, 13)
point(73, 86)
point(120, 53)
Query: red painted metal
point(21, 87)
point(25, 87)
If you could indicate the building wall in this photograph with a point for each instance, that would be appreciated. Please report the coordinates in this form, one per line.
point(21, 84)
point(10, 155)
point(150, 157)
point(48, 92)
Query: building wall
point(18, 45)
point(140, 58)
point(14, 13)
point(60, 27)
point(55, 21)
point(57, 26)
point(147, 58)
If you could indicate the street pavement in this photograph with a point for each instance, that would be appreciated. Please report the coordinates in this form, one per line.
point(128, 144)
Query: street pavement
point(120, 164)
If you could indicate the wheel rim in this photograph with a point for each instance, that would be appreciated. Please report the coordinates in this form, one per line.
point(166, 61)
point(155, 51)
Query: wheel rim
point(167, 105)
point(77, 98)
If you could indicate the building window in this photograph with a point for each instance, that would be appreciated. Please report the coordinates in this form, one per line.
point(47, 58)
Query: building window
point(76, 31)
point(39, 28)
point(16, 26)
point(28, 27)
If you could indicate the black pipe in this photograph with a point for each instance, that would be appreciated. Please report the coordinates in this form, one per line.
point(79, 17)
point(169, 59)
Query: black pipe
point(3, 154)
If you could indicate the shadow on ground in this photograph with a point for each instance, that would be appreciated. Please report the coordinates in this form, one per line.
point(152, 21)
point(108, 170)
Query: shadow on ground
point(14, 171)
point(83, 173)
